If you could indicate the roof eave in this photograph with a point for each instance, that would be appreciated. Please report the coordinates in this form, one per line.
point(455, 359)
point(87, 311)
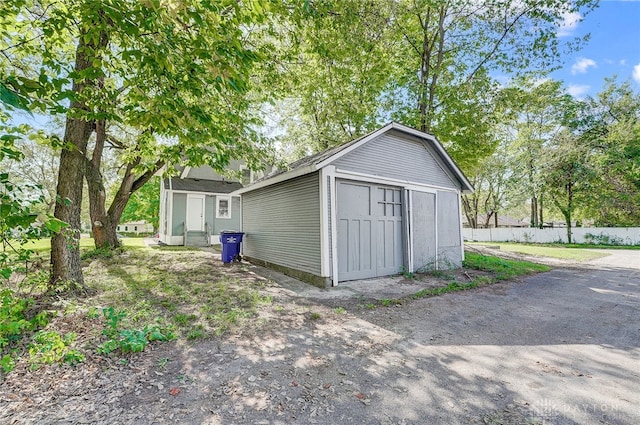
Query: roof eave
point(277, 179)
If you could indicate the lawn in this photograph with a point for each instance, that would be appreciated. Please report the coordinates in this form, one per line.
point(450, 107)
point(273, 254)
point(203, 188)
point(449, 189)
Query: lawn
point(42, 245)
point(561, 252)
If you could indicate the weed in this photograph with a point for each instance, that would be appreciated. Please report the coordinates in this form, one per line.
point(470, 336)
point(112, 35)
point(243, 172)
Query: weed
point(182, 319)
point(339, 310)
point(13, 323)
point(7, 363)
point(279, 308)
point(50, 347)
point(93, 313)
point(370, 306)
point(315, 316)
point(100, 253)
point(128, 340)
point(162, 362)
point(389, 302)
point(603, 239)
point(406, 273)
point(196, 333)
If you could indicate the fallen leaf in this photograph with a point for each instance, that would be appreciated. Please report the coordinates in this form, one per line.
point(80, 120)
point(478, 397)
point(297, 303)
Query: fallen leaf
point(174, 391)
point(326, 386)
point(360, 396)
point(294, 383)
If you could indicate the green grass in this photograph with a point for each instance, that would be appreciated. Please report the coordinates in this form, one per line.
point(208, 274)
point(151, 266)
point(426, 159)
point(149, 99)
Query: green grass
point(497, 269)
point(546, 250)
point(189, 294)
point(500, 268)
point(588, 246)
point(85, 244)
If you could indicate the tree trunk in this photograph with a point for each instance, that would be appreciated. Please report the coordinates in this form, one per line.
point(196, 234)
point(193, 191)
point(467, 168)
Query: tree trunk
point(102, 227)
point(488, 220)
point(471, 210)
point(541, 222)
point(104, 231)
point(105, 222)
point(534, 212)
point(65, 246)
point(495, 219)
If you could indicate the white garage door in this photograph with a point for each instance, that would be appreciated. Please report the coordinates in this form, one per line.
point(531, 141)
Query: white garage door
point(369, 230)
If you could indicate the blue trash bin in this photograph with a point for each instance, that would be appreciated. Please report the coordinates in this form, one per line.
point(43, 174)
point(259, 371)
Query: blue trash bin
point(230, 245)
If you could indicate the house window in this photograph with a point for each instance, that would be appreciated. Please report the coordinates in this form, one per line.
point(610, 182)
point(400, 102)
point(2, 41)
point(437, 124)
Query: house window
point(223, 207)
point(246, 176)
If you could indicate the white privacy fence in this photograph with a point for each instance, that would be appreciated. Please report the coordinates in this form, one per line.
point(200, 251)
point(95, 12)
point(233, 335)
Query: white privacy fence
point(598, 235)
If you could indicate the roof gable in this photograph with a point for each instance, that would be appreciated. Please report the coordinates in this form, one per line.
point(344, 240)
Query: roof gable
point(322, 159)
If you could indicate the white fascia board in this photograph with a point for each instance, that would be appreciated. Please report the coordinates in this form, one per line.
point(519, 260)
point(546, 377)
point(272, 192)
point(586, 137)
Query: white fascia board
point(334, 226)
point(195, 192)
point(406, 184)
point(460, 225)
point(185, 172)
point(277, 179)
point(324, 223)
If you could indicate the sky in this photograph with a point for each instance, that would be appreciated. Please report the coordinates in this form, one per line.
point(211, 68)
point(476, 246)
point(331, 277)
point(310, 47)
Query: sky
point(614, 48)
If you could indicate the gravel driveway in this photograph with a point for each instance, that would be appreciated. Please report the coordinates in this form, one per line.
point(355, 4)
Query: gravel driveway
point(561, 347)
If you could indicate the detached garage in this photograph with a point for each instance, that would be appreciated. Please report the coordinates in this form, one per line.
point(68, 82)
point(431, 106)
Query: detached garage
point(382, 204)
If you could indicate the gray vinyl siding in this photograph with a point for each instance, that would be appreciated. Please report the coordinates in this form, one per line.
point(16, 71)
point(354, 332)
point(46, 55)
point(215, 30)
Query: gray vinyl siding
point(400, 157)
point(210, 212)
point(282, 224)
point(449, 249)
point(206, 172)
point(179, 214)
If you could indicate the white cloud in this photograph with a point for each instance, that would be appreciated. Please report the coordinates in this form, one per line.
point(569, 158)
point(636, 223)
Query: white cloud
point(577, 90)
point(569, 23)
point(623, 62)
point(636, 73)
point(582, 65)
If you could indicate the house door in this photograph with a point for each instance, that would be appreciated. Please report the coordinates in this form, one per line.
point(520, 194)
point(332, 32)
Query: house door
point(195, 213)
point(369, 230)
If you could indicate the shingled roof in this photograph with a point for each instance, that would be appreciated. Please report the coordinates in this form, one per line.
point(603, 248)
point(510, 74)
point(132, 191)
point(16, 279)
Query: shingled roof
point(201, 185)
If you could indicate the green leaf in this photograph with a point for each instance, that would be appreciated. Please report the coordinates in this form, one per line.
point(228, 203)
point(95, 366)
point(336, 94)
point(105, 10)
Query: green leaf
point(55, 225)
point(12, 99)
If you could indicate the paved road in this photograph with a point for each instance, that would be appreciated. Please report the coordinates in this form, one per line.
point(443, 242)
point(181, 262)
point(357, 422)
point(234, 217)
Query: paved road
point(561, 348)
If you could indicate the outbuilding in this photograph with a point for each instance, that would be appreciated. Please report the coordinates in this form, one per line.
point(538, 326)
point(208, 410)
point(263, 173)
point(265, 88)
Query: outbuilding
point(385, 203)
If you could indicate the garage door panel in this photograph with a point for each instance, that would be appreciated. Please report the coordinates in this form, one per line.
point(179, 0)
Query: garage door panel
point(389, 246)
point(356, 258)
point(354, 199)
point(369, 230)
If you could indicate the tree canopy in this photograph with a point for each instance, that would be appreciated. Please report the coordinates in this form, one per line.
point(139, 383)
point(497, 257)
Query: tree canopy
point(171, 75)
